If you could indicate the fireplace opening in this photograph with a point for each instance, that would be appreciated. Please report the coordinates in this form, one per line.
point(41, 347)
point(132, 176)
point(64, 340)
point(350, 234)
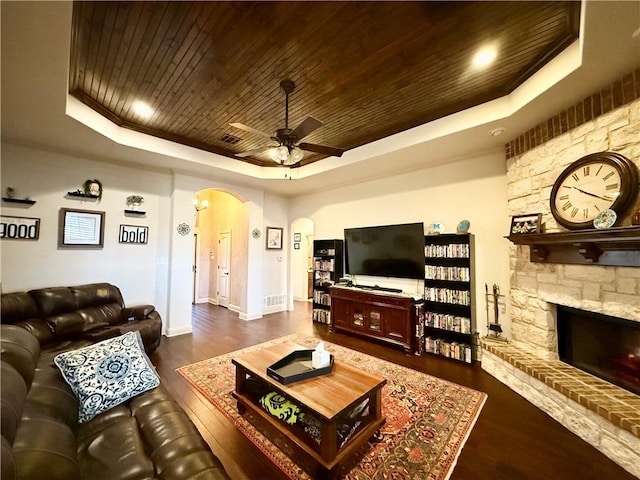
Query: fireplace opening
point(604, 346)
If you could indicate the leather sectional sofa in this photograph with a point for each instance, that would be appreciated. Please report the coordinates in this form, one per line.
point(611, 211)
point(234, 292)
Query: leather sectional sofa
point(147, 436)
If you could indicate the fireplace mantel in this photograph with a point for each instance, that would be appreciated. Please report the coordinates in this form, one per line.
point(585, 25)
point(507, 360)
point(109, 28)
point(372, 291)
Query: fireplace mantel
point(619, 246)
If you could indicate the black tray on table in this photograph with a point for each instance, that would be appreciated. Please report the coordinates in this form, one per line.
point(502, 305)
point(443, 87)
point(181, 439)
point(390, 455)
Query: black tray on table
point(297, 366)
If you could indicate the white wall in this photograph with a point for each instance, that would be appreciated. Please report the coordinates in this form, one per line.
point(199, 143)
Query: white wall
point(159, 272)
point(275, 273)
point(301, 259)
point(474, 189)
point(140, 271)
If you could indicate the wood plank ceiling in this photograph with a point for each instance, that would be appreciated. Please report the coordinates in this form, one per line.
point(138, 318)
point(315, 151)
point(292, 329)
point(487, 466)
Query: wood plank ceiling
point(366, 69)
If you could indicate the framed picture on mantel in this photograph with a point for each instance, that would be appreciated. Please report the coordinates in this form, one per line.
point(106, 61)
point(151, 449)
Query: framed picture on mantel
point(529, 223)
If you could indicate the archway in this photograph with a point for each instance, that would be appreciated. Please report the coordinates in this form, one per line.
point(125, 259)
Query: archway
point(221, 255)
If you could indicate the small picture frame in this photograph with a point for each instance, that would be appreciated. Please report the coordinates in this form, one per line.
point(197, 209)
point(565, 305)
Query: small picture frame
point(297, 237)
point(296, 245)
point(80, 228)
point(274, 238)
point(525, 224)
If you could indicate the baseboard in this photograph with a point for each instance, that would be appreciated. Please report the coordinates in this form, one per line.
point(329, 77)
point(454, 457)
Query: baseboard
point(178, 331)
point(274, 309)
point(244, 316)
point(213, 301)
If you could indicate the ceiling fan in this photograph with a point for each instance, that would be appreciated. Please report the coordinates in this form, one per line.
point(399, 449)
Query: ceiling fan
point(287, 150)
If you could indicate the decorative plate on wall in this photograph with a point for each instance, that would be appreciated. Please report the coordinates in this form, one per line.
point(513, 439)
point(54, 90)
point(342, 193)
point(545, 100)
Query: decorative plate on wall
point(183, 229)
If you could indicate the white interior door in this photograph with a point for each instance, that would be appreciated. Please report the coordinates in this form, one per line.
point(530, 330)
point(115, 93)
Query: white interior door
point(224, 267)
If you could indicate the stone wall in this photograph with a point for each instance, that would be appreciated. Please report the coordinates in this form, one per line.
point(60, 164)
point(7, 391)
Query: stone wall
point(535, 287)
point(602, 414)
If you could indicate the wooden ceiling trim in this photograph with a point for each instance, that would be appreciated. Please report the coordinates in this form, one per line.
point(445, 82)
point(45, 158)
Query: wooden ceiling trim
point(131, 54)
point(202, 65)
point(186, 82)
point(125, 36)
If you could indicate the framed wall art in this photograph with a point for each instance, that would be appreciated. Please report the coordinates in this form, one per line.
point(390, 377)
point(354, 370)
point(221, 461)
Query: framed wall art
point(529, 223)
point(274, 238)
point(297, 237)
point(19, 228)
point(80, 228)
point(133, 234)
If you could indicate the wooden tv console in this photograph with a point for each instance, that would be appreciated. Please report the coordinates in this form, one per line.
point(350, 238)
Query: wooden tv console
point(379, 315)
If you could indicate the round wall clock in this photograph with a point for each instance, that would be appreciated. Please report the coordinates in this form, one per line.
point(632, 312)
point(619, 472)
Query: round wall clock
point(591, 184)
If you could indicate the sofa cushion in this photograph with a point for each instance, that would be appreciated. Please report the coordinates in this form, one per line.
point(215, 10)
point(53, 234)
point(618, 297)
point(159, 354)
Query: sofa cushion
point(54, 300)
point(107, 373)
point(18, 306)
point(95, 294)
point(20, 309)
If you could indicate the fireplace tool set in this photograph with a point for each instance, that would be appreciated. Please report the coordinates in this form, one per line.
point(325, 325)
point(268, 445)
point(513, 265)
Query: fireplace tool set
point(494, 329)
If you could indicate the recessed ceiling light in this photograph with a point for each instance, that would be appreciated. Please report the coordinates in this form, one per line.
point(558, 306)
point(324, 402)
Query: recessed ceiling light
point(496, 132)
point(142, 109)
point(484, 57)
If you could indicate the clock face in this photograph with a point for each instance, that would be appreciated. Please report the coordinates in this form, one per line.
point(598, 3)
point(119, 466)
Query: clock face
point(590, 185)
point(586, 191)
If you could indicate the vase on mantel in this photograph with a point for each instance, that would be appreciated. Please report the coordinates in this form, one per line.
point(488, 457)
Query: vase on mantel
point(635, 218)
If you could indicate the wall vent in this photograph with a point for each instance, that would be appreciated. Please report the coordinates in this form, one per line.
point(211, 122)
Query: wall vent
point(230, 139)
point(273, 300)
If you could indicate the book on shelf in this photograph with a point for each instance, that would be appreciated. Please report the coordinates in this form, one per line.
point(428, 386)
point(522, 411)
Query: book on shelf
point(458, 351)
point(447, 295)
point(456, 274)
point(321, 298)
point(449, 322)
point(322, 316)
point(452, 250)
point(323, 265)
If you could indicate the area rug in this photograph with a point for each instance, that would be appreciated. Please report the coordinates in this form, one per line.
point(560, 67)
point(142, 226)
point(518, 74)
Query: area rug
point(428, 419)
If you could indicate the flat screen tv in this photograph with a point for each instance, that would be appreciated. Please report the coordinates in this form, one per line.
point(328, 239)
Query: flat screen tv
point(386, 251)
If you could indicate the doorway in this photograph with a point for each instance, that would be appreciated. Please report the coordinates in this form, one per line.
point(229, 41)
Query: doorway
point(301, 272)
point(223, 268)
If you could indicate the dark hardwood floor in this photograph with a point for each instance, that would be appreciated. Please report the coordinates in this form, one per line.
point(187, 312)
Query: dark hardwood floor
point(511, 440)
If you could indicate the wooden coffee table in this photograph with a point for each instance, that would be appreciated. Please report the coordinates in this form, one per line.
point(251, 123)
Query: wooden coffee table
point(328, 398)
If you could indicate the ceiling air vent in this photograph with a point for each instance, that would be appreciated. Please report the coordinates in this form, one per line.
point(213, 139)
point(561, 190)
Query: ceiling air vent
point(230, 139)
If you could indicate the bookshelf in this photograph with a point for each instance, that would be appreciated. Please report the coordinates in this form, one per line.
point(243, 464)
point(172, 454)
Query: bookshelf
point(448, 311)
point(328, 268)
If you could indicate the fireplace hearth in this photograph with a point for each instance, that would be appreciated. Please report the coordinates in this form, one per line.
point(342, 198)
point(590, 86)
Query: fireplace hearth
point(605, 346)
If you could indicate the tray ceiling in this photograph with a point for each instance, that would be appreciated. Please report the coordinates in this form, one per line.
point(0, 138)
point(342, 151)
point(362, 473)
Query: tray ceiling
point(366, 69)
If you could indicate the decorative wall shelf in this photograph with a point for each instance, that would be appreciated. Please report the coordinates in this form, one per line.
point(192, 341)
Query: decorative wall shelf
point(618, 246)
point(82, 195)
point(24, 201)
point(135, 213)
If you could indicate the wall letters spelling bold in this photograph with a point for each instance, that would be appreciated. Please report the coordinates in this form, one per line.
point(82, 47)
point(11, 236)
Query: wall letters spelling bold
point(134, 234)
point(19, 228)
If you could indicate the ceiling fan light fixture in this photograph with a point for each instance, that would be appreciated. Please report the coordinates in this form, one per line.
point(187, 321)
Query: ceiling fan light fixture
point(279, 154)
point(295, 156)
point(286, 155)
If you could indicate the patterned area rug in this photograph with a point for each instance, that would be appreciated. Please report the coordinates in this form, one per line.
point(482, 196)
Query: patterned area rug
point(428, 419)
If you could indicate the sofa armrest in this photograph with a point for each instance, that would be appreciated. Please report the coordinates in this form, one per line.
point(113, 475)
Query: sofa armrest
point(138, 312)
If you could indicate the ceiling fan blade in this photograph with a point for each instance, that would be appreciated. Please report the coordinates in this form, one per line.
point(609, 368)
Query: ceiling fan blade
point(307, 126)
point(332, 151)
point(248, 153)
point(244, 127)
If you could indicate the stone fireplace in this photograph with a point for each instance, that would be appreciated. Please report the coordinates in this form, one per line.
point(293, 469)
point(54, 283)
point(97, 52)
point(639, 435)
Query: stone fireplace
point(602, 413)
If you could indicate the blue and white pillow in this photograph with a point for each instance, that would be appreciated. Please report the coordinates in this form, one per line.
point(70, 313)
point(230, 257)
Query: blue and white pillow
point(107, 373)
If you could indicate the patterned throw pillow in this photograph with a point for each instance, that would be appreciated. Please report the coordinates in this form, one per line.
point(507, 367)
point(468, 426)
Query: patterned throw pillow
point(280, 407)
point(107, 373)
